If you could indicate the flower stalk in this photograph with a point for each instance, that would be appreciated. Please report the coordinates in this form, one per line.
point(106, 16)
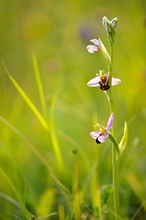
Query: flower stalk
point(114, 154)
point(111, 35)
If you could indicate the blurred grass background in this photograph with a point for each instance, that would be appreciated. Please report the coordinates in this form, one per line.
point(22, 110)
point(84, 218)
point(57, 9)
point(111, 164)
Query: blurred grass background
point(58, 32)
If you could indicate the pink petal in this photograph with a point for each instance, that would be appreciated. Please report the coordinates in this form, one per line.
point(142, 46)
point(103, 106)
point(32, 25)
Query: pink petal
point(110, 121)
point(115, 81)
point(94, 82)
point(95, 134)
point(92, 48)
point(96, 42)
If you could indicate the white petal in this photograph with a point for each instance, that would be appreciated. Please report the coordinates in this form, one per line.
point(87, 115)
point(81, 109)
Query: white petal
point(96, 42)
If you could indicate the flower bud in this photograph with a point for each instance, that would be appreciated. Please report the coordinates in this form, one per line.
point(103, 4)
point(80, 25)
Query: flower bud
point(107, 24)
point(114, 22)
point(110, 27)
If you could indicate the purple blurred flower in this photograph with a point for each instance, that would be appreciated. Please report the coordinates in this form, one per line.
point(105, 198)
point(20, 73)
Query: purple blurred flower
point(95, 47)
point(103, 81)
point(101, 135)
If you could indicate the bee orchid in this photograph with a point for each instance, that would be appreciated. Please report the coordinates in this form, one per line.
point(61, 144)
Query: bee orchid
point(103, 133)
point(103, 81)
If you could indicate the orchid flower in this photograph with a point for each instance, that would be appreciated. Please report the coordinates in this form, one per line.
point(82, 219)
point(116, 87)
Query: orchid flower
point(103, 81)
point(101, 135)
point(94, 48)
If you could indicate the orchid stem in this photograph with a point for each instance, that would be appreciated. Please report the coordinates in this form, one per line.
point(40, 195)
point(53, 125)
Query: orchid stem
point(114, 151)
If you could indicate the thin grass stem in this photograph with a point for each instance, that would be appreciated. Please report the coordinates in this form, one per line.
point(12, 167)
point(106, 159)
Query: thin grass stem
point(39, 83)
point(27, 100)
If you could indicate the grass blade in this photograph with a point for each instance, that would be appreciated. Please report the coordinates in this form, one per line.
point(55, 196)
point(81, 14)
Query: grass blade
point(37, 153)
point(10, 199)
point(40, 117)
point(27, 100)
point(53, 135)
point(32, 147)
point(28, 215)
point(40, 87)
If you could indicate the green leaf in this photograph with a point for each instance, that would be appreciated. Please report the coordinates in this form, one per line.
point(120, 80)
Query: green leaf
point(124, 139)
point(105, 53)
point(114, 141)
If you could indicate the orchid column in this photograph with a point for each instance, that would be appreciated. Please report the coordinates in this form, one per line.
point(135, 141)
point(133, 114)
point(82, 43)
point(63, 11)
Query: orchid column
point(105, 80)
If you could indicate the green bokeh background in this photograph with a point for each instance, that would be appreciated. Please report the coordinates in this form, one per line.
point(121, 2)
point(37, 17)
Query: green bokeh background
point(59, 31)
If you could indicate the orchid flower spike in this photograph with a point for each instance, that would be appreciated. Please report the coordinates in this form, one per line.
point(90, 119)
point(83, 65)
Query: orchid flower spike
point(95, 47)
point(102, 80)
point(103, 133)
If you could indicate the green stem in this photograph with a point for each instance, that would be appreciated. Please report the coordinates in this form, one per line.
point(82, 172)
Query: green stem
point(114, 151)
point(114, 166)
point(115, 182)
